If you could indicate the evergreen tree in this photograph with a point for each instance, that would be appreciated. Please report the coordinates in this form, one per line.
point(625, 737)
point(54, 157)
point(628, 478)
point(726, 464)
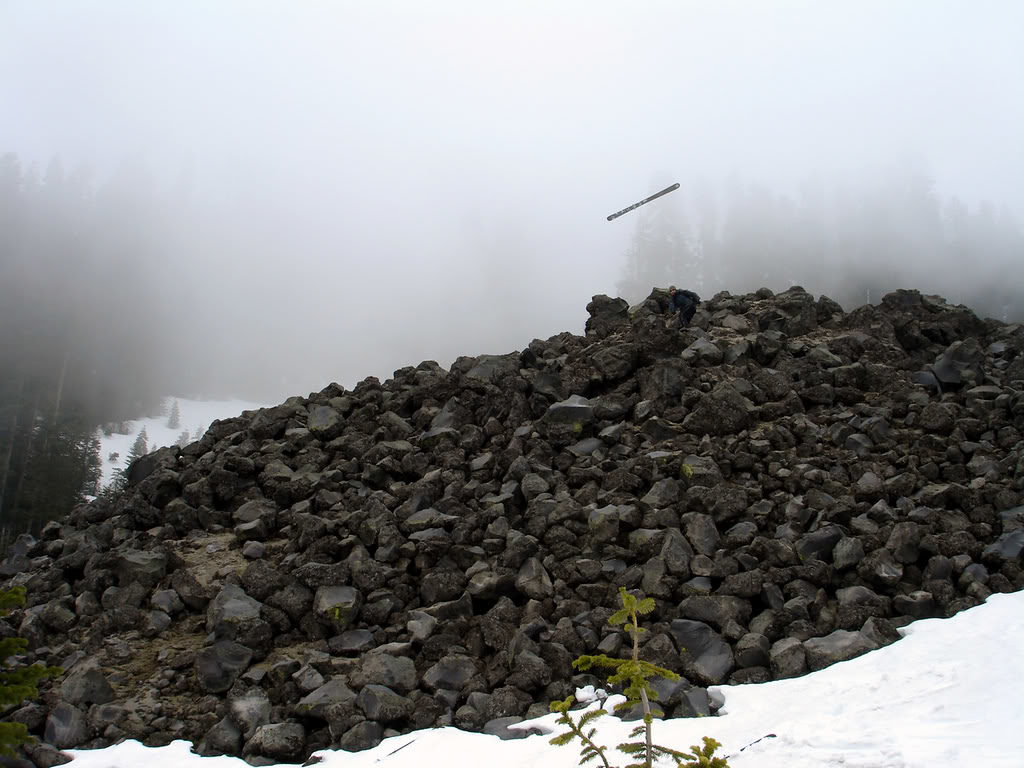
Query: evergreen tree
point(63, 468)
point(662, 252)
point(17, 683)
point(635, 675)
point(137, 450)
point(174, 420)
point(49, 455)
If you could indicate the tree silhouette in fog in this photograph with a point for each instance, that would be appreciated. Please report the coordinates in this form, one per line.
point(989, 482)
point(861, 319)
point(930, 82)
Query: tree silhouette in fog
point(853, 240)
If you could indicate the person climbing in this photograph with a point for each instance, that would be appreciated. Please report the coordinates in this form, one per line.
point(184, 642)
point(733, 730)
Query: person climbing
point(685, 302)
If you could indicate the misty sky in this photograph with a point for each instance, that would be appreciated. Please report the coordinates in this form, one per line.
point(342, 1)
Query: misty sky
point(421, 180)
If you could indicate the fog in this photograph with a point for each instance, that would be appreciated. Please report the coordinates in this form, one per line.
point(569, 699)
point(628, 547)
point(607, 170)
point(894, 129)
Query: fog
point(300, 193)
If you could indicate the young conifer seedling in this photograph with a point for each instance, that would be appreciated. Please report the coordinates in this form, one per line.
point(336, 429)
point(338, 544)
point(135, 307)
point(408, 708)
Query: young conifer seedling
point(636, 675)
point(17, 683)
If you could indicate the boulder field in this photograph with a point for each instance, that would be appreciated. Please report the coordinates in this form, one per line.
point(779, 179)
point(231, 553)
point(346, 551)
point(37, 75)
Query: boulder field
point(790, 482)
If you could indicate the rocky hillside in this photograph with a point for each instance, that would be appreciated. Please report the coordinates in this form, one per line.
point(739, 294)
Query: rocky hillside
point(437, 549)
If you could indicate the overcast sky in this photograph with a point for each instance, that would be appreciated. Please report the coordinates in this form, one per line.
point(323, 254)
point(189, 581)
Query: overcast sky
point(444, 169)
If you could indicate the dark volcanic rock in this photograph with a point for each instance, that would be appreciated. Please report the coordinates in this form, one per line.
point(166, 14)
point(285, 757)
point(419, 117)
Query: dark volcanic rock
point(437, 548)
point(708, 659)
point(218, 666)
point(838, 646)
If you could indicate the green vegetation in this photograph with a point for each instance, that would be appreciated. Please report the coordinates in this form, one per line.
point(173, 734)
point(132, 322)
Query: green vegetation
point(17, 683)
point(636, 675)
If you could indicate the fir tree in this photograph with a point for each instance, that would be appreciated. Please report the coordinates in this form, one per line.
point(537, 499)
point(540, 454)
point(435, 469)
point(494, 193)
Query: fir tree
point(174, 420)
point(17, 683)
point(138, 449)
point(636, 675)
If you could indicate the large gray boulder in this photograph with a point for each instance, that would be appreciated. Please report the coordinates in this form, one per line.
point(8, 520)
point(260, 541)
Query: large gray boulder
point(723, 411)
point(840, 645)
point(337, 606)
point(384, 705)
point(449, 673)
point(282, 742)
point(86, 684)
point(707, 657)
point(66, 727)
point(219, 665)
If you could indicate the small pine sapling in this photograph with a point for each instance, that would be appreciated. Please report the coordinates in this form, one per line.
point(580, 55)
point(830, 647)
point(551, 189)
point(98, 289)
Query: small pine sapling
point(636, 675)
point(589, 750)
point(16, 683)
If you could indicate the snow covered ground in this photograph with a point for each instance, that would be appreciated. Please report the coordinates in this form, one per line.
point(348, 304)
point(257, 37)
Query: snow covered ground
point(947, 694)
point(194, 416)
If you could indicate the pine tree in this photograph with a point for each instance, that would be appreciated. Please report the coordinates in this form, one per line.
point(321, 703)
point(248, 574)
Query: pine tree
point(138, 449)
point(63, 468)
point(174, 421)
point(663, 252)
point(636, 675)
point(17, 683)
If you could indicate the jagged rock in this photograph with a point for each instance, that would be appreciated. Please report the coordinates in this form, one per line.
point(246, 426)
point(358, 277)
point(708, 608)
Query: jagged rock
point(880, 631)
point(840, 645)
point(819, 544)
point(703, 351)
point(222, 738)
point(858, 603)
point(937, 417)
point(701, 532)
point(324, 423)
point(529, 672)
point(360, 736)
point(86, 684)
point(707, 658)
point(533, 580)
point(694, 702)
point(716, 610)
point(337, 606)
point(752, 650)
point(66, 727)
point(283, 742)
point(880, 568)
point(232, 613)
point(904, 541)
point(919, 604)
point(398, 673)
point(168, 601)
point(319, 703)
point(382, 704)
point(788, 658)
point(567, 420)
point(499, 727)
point(249, 711)
point(723, 411)
point(143, 568)
point(219, 665)
point(606, 316)
point(450, 673)
point(664, 493)
point(847, 553)
point(1009, 547)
